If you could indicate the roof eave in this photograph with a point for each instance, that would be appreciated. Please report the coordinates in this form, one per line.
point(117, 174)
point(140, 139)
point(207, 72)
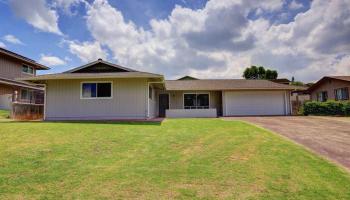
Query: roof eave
point(35, 64)
point(38, 78)
point(227, 89)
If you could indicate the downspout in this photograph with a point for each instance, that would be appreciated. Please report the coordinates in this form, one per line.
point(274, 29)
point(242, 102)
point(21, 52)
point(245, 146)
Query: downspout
point(285, 102)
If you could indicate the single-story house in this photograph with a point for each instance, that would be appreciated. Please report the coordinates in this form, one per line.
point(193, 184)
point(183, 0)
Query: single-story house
point(330, 88)
point(103, 90)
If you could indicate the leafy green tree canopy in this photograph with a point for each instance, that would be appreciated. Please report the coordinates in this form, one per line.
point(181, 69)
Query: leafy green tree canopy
point(255, 72)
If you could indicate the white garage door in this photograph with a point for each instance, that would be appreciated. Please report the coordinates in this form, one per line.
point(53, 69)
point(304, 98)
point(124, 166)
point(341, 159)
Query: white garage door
point(254, 103)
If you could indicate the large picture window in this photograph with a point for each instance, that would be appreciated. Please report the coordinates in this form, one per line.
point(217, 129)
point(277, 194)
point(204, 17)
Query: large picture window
point(96, 90)
point(196, 101)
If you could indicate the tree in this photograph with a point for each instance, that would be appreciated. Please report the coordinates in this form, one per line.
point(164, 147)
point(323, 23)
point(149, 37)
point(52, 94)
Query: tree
point(254, 72)
point(261, 72)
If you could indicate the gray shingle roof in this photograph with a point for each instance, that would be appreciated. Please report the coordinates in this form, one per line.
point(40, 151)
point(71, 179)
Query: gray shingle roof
point(60, 76)
point(225, 84)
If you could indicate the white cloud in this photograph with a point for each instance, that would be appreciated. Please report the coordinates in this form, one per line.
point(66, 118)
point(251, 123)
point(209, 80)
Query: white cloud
point(220, 40)
point(38, 14)
point(51, 60)
point(87, 51)
point(12, 39)
point(67, 5)
point(2, 45)
point(294, 5)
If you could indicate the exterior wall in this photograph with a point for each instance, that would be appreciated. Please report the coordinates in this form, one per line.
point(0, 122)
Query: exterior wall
point(11, 68)
point(5, 89)
point(152, 104)
point(329, 86)
point(300, 97)
point(184, 113)
point(129, 101)
point(5, 96)
point(242, 103)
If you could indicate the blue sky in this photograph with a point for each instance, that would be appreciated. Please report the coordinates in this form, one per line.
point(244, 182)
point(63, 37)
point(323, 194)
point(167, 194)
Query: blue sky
point(215, 39)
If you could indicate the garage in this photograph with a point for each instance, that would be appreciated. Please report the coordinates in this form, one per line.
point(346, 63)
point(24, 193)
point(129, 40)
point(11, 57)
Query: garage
point(245, 103)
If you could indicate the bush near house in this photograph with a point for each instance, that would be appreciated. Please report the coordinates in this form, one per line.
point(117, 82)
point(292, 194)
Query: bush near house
point(341, 108)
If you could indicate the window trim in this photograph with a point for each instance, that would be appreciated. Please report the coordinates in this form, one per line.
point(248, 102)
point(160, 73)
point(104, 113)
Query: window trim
point(28, 67)
point(81, 90)
point(196, 93)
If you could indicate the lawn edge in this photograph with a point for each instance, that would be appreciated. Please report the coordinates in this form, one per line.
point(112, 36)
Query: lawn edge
point(331, 161)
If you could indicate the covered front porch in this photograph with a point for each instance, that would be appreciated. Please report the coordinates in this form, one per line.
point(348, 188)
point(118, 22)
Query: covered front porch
point(182, 104)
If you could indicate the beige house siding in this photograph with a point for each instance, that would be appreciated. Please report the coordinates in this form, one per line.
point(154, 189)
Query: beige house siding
point(153, 111)
point(11, 68)
point(64, 103)
point(329, 86)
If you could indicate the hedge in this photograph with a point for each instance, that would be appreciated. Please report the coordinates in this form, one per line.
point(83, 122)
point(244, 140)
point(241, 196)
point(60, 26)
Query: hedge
point(327, 108)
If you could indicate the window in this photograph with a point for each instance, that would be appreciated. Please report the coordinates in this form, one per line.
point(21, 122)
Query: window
point(96, 90)
point(27, 69)
point(322, 96)
point(150, 92)
point(341, 94)
point(26, 94)
point(196, 101)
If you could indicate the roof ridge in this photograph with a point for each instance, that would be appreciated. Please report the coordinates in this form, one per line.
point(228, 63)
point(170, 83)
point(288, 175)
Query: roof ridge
point(99, 61)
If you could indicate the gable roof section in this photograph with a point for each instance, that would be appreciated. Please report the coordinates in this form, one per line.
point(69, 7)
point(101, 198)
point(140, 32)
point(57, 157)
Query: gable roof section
point(89, 68)
point(341, 78)
point(23, 59)
point(225, 84)
point(187, 78)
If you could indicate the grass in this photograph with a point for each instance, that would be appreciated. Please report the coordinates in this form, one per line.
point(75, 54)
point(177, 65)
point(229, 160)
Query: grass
point(179, 159)
point(4, 114)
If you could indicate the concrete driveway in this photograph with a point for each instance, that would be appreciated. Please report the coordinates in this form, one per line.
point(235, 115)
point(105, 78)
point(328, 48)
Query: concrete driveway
point(327, 136)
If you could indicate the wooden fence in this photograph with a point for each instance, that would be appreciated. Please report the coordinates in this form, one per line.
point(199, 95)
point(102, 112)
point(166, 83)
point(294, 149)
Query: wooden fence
point(21, 111)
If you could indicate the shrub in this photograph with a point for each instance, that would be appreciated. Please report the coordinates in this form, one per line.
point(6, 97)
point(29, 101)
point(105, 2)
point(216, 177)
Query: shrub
point(327, 108)
point(346, 108)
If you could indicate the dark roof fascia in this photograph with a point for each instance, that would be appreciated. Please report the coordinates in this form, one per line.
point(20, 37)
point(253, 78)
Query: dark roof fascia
point(99, 61)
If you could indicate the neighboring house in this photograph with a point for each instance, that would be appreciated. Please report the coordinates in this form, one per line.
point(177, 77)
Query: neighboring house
point(13, 66)
point(187, 78)
point(102, 90)
point(330, 88)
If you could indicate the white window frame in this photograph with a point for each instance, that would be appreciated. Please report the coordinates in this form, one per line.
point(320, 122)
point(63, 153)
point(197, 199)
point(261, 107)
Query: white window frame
point(81, 90)
point(28, 67)
point(196, 93)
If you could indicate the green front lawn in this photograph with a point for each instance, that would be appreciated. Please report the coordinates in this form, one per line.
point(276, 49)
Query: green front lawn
point(179, 159)
point(4, 114)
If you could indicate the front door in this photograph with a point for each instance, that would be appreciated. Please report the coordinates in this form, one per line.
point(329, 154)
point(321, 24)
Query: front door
point(163, 104)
